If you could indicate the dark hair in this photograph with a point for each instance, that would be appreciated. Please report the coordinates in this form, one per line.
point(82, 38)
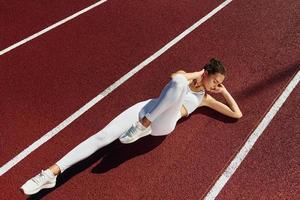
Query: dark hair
point(215, 66)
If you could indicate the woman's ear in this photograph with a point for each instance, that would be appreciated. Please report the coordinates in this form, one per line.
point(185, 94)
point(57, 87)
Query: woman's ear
point(205, 74)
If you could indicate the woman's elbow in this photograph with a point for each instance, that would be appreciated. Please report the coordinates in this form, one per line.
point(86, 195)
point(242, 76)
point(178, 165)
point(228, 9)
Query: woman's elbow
point(238, 115)
point(178, 72)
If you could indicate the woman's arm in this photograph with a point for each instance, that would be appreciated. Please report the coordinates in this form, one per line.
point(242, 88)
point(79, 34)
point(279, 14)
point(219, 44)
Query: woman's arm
point(231, 109)
point(189, 76)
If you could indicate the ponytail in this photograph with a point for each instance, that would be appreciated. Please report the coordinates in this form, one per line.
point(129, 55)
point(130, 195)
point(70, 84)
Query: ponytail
point(214, 66)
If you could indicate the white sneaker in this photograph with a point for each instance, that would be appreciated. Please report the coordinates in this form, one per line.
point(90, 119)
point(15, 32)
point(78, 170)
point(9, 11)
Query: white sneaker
point(135, 132)
point(45, 179)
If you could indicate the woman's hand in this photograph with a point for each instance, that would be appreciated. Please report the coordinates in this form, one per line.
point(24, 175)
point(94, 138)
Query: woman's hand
point(219, 89)
point(191, 75)
point(230, 109)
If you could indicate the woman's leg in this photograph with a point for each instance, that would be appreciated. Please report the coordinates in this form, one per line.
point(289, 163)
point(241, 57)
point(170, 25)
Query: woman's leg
point(47, 178)
point(171, 96)
point(163, 110)
point(104, 137)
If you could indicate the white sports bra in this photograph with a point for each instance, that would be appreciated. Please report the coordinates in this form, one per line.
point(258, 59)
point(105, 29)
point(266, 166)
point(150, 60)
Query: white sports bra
point(192, 100)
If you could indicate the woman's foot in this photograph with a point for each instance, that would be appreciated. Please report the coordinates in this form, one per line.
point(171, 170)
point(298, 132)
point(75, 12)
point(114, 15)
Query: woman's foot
point(135, 132)
point(45, 179)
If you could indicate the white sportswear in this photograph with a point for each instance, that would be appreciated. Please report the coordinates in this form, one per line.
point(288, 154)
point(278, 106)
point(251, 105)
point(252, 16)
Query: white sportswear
point(163, 112)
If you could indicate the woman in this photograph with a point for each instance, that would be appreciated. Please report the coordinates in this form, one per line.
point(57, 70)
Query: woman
point(179, 98)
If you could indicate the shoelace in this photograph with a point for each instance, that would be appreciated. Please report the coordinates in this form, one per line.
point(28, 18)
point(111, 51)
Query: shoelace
point(132, 130)
point(38, 178)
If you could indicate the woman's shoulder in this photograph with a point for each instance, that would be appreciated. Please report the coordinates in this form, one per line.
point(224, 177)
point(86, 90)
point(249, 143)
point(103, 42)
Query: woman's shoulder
point(206, 99)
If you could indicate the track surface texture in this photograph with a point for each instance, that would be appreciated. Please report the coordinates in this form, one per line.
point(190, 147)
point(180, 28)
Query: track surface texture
point(47, 79)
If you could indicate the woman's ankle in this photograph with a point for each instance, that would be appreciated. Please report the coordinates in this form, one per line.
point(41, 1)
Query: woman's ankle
point(55, 169)
point(145, 122)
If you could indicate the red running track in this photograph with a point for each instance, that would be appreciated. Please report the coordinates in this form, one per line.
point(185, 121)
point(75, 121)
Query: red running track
point(257, 42)
point(20, 19)
point(45, 81)
point(271, 170)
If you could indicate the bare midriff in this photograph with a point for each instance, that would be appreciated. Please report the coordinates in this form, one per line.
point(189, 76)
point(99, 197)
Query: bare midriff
point(183, 111)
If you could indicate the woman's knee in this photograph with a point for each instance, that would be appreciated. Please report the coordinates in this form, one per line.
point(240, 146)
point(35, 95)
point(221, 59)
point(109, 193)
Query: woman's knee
point(180, 81)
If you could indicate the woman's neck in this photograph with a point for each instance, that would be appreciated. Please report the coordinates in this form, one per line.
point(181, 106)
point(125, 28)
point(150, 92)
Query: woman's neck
point(197, 86)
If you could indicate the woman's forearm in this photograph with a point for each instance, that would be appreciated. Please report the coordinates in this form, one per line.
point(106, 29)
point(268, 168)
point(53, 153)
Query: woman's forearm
point(231, 103)
point(191, 75)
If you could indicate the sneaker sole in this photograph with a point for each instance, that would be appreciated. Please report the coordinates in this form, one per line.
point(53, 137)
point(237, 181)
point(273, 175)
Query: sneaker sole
point(46, 186)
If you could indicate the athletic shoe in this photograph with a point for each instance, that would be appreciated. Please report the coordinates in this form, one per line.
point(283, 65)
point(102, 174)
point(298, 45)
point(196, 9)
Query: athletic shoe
point(45, 179)
point(135, 132)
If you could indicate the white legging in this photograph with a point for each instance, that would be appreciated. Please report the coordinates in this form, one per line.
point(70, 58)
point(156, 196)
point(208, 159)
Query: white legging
point(163, 112)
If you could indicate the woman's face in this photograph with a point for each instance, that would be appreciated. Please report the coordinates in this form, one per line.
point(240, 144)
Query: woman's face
point(210, 82)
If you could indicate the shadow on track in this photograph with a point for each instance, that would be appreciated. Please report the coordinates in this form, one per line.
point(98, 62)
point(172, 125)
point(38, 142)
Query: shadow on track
point(258, 87)
point(112, 156)
point(117, 156)
point(215, 115)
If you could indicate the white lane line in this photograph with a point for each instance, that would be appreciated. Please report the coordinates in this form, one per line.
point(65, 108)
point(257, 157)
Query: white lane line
point(235, 163)
point(108, 90)
point(50, 27)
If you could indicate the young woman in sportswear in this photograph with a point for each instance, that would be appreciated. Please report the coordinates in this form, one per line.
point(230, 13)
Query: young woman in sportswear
point(179, 98)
